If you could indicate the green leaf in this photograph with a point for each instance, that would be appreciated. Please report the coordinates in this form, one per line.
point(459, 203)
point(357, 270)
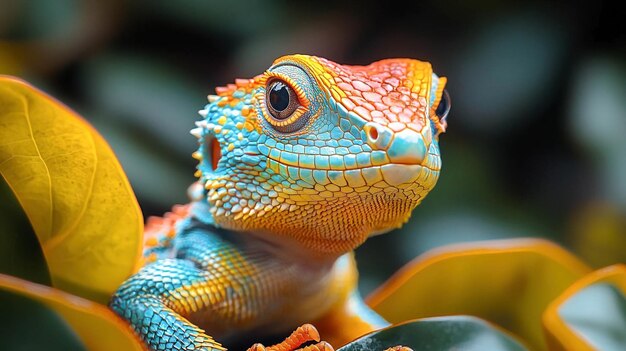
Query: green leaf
point(598, 312)
point(20, 313)
point(438, 333)
point(590, 314)
point(72, 189)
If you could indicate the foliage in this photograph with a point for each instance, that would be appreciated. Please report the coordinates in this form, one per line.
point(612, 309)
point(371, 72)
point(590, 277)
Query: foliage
point(89, 227)
point(73, 190)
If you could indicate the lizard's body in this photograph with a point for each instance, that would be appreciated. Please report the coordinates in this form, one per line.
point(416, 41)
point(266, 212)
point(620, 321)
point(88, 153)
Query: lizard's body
point(298, 166)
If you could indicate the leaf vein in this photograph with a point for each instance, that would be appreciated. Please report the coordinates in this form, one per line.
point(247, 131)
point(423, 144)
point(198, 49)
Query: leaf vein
point(32, 134)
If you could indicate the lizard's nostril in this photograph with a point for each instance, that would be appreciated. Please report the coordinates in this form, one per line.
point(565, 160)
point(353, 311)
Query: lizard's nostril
point(378, 137)
point(373, 134)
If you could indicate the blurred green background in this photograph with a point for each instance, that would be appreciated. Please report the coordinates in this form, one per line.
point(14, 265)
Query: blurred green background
point(536, 145)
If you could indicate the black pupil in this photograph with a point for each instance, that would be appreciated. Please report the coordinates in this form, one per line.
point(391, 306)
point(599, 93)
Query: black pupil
point(279, 96)
point(442, 109)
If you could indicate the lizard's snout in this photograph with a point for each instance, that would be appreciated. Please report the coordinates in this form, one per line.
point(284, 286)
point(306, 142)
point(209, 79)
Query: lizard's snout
point(404, 147)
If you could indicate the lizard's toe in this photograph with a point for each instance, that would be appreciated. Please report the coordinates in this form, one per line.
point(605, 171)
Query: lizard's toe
point(257, 347)
point(320, 346)
point(301, 335)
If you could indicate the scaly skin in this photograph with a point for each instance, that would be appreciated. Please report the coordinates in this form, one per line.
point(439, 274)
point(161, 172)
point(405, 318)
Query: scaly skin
point(283, 199)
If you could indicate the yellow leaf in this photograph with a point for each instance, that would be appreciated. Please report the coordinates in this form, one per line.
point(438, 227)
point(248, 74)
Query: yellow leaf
point(98, 327)
point(72, 189)
point(509, 282)
point(600, 327)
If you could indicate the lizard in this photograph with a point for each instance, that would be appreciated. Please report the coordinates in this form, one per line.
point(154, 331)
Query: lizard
point(297, 167)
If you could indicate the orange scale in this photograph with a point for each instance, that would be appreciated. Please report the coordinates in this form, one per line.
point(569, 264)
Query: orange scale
point(369, 106)
point(405, 91)
point(363, 112)
point(358, 100)
point(382, 75)
point(380, 106)
point(394, 95)
point(396, 126)
point(391, 116)
point(395, 109)
point(412, 107)
point(380, 90)
point(371, 96)
point(388, 100)
point(393, 81)
point(151, 242)
point(388, 87)
point(361, 86)
point(221, 90)
point(405, 116)
point(355, 75)
point(346, 78)
point(345, 86)
point(348, 104)
point(377, 114)
point(357, 94)
point(241, 82)
point(384, 120)
point(154, 221)
point(415, 126)
point(422, 101)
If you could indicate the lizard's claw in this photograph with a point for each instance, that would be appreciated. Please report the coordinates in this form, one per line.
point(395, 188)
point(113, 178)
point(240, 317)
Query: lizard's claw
point(399, 348)
point(303, 334)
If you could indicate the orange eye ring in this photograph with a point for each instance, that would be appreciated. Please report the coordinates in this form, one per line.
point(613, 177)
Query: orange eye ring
point(285, 112)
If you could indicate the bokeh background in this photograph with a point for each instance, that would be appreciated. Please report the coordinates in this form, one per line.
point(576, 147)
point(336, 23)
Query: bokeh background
point(536, 145)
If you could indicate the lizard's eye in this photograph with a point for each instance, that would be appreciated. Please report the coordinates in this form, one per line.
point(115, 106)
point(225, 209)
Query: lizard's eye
point(281, 99)
point(444, 106)
point(285, 104)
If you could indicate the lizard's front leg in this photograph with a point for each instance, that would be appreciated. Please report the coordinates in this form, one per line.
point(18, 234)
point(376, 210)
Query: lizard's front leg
point(157, 299)
point(152, 302)
point(208, 276)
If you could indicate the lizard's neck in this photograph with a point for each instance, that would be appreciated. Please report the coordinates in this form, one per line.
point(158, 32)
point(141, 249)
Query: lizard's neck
point(289, 250)
point(281, 247)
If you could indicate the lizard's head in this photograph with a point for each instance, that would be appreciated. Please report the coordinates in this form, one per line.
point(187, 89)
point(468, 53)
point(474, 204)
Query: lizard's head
point(320, 154)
